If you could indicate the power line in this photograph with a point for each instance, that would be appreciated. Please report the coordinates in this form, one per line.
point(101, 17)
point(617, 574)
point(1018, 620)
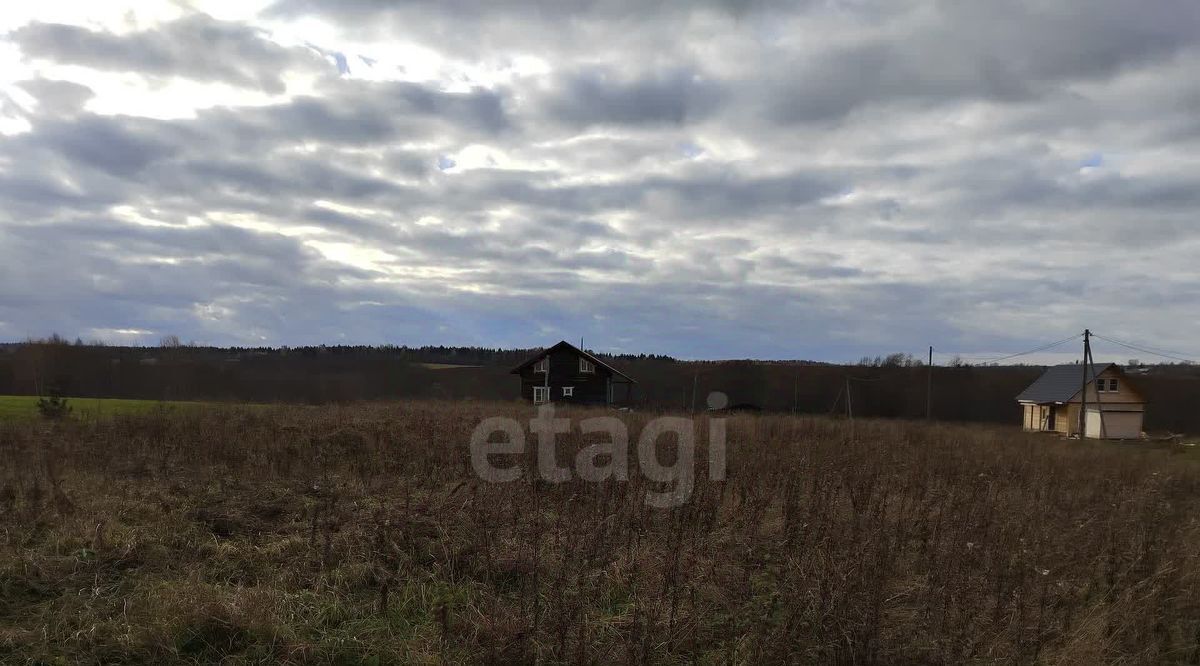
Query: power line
point(1149, 348)
point(1143, 348)
point(1031, 351)
point(1129, 345)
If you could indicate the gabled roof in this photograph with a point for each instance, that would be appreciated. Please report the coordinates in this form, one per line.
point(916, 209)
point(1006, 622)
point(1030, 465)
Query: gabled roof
point(566, 345)
point(1060, 383)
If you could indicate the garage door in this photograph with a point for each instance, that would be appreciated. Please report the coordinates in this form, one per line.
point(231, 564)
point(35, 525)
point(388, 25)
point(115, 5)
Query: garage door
point(1117, 425)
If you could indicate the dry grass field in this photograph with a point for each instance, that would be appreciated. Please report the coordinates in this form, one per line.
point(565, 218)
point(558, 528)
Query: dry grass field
point(359, 535)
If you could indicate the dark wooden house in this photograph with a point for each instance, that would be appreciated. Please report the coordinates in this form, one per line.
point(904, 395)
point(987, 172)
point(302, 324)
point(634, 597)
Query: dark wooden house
point(565, 373)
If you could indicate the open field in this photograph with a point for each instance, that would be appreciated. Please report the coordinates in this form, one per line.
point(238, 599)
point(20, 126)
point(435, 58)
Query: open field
point(25, 406)
point(361, 535)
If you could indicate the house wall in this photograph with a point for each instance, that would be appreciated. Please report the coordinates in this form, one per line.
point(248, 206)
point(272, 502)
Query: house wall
point(1126, 396)
point(1036, 418)
point(1118, 423)
point(1119, 407)
point(1067, 420)
point(590, 388)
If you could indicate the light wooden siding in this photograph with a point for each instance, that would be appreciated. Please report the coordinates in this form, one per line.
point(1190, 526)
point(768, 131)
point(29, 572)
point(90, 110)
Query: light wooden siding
point(1125, 395)
point(1033, 417)
point(1066, 420)
point(1036, 418)
point(1039, 417)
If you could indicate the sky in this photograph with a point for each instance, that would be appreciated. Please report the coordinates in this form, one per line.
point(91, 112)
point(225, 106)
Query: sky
point(815, 179)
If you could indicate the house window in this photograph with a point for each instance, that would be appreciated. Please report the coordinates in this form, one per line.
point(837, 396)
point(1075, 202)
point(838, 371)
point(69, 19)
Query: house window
point(541, 394)
point(568, 391)
point(1112, 386)
point(586, 365)
point(542, 365)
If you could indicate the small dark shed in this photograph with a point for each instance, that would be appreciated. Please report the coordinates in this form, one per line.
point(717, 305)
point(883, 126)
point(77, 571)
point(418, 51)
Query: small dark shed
point(565, 373)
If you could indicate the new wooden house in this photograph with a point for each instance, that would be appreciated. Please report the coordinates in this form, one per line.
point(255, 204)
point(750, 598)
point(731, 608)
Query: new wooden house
point(565, 373)
point(1114, 406)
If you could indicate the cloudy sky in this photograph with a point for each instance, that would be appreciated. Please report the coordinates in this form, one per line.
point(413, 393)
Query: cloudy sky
point(708, 178)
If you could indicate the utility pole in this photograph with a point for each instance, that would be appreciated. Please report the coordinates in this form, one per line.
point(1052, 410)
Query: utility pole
point(695, 381)
point(795, 393)
point(1087, 352)
point(1099, 405)
point(1091, 364)
point(850, 408)
point(929, 387)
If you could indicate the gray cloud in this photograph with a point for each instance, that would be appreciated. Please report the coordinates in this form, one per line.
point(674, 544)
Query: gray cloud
point(361, 113)
point(598, 97)
point(101, 144)
point(197, 47)
point(1011, 52)
point(57, 97)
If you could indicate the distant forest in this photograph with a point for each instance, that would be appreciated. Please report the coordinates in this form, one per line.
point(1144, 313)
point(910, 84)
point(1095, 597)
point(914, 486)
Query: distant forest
point(892, 386)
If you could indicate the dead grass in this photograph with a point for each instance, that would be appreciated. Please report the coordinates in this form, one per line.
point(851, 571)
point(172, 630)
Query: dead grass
point(360, 535)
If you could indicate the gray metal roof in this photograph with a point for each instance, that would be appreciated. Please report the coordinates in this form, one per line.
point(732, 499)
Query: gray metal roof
point(1059, 383)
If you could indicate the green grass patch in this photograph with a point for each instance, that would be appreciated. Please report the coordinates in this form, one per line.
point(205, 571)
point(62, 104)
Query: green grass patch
point(19, 407)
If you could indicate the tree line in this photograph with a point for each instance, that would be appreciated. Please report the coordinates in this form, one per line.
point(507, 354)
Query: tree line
point(893, 386)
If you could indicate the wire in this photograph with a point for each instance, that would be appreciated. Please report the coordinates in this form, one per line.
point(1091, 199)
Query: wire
point(1149, 348)
point(1031, 351)
point(1156, 351)
point(1129, 345)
